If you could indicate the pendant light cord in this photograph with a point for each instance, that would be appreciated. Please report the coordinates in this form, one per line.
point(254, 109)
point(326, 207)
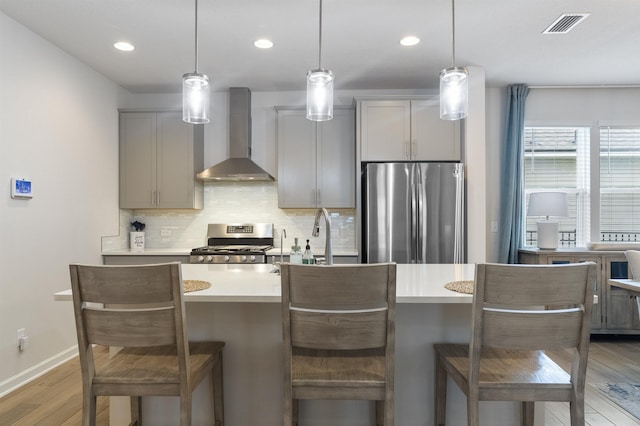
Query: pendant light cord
point(453, 33)
point(196, 37)
point(320, 39)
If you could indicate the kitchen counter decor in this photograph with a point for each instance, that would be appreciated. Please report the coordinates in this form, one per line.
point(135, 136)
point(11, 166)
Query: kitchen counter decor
point(195, 285)
point(460, 286)
point(136, 238)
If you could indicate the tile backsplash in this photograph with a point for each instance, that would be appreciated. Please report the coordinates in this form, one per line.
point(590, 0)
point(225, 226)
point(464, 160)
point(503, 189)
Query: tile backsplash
point(234, 202)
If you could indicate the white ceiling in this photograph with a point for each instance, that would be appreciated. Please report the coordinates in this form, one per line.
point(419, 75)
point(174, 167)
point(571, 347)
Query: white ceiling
point(360, 41)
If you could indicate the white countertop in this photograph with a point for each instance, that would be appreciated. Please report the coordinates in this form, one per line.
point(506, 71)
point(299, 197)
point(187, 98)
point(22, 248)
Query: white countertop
point(254, 283)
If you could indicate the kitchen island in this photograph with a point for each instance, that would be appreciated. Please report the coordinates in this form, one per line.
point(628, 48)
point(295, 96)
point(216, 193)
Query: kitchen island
point(242, 308)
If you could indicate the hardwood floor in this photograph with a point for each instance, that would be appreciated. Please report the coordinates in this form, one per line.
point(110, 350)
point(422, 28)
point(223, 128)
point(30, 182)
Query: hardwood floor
point(55, 398)
point(52, 399)
point(610, 361)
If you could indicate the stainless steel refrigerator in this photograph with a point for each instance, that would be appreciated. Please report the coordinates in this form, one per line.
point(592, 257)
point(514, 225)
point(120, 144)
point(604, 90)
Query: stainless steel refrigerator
point(413, 213)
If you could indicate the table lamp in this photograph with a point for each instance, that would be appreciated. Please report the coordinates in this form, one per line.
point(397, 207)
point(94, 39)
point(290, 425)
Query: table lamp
point(548, 204)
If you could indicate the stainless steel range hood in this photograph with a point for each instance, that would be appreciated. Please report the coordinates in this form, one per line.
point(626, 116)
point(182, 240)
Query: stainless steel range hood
point(239, 167)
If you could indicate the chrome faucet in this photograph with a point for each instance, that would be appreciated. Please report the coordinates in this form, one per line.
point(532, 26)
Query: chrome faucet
point(328, 252)
point(283, 234)
point(277, 265)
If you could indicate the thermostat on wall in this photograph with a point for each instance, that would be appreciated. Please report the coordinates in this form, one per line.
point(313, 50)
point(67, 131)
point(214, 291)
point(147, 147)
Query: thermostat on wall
point(21, 188)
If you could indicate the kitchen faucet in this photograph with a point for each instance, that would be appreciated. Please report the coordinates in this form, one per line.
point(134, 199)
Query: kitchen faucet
point(283, 234)
point(328, 252)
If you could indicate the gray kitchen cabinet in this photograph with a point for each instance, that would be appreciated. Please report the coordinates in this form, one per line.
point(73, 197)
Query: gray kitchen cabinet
point(622, 312)
point(615, 312)
point(316, 160)
point(159, 158)
point(406, 130)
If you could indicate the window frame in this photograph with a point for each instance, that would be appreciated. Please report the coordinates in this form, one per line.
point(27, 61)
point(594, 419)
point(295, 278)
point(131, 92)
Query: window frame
point(594, 164)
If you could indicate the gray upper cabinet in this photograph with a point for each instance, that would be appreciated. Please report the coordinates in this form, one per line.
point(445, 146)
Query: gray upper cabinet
point(406, 130)
point(159, 158)
point(316, 161)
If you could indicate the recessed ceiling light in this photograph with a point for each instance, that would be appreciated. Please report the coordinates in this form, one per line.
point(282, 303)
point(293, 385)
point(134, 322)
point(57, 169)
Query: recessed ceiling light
point(124, 46)
point(263, 43)
point(410, 41)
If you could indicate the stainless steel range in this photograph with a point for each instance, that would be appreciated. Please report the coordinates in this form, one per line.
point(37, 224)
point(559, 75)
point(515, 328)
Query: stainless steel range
point(235, 243)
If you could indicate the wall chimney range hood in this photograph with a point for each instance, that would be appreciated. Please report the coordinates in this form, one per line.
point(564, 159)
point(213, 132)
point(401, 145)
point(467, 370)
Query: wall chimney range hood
point(239, 167)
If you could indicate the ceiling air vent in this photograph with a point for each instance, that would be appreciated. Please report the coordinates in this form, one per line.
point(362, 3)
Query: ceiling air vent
point(565, 23)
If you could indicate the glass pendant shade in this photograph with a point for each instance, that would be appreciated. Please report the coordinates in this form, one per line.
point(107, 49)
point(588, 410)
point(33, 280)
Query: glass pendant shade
point(454, 93)
point(319, 95)
point(195, 98)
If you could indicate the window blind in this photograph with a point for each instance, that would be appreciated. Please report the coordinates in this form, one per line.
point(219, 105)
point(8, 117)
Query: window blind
point(557, 159)
point(620, 183)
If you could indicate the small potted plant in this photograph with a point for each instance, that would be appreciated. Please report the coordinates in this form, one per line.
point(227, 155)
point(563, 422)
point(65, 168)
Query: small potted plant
point(136, 237)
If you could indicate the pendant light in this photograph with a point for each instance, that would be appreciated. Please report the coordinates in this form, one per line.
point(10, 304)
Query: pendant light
point(319, 87)
point(454, 83)
point(195, 91)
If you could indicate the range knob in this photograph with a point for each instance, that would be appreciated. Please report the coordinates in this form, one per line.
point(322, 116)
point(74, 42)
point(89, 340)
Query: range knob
point(243, 258)
point(252, 258)
point(226, 258)
point(209, 259)
point(200, 259)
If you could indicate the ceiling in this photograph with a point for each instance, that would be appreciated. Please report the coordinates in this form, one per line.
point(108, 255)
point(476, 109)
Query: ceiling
point(360, 43)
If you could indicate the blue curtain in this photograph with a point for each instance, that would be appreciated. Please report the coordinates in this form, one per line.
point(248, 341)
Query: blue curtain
point(512, 185)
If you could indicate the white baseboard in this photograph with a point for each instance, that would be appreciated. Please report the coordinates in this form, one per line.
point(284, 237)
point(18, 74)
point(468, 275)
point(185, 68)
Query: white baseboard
point(12, 383)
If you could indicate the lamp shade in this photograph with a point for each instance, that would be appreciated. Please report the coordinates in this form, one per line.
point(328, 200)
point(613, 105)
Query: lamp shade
point(548, 204)
point(454, 93)
point(319, 95)
point(195, 98)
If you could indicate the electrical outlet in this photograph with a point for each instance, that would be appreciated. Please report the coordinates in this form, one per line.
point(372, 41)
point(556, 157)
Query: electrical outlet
point(23, 339)
point(494, 226)
point(165, 232)
point(23, 343)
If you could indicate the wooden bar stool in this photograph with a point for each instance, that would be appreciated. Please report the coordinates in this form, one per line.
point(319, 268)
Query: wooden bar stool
point(339, 335)
point(141, 309)
point(519, 311)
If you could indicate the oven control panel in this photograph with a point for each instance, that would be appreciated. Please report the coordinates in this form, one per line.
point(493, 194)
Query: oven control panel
point(228, 258)
point(239, 229)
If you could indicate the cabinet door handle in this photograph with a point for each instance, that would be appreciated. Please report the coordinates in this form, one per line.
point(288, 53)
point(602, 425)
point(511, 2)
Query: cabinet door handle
point(158, 198)
point(414, 149)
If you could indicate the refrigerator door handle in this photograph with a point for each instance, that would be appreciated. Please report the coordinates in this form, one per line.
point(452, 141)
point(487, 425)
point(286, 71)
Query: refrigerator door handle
point(419, 200)
point(458, 249)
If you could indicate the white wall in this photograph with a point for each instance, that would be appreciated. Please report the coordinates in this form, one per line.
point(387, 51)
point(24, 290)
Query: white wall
point(475, 147)
point(59, 127)
point(583, 105)
point(495, 117)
